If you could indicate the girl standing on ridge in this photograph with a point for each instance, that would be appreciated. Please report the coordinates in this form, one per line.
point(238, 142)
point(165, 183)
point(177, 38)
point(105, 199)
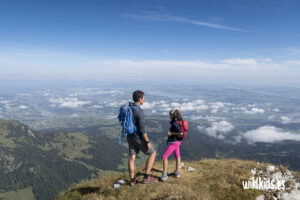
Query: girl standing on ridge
point(175, 135)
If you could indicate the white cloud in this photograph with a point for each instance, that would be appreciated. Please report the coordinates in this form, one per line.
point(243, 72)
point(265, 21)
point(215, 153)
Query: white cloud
point(6, 104)
point(64, 65)
point(74, 115)
point(162, 105)
point(271, 117)
point(192, 67)
point(269, 134)
point(199, 101)
point(96, 91)
point(218, 105)
point(253, 111)
point(23, 94)
point(214, 110)
point(97, 106)
point(167, 109)
point(218, 129)
point(117, 103)
point(154, 64)
point(68, 102)
point(165, 113)
point(153, 16)
point(46, 94)
point(292, 52)
point(4, 101)
point(175, 105)
point(239, 61)
point(149, 105)
point(208, 118)
point(285, 120)
point(293, 62)
point(23, 107)
point(192, 106)
point(45, 113)
point(276, 110)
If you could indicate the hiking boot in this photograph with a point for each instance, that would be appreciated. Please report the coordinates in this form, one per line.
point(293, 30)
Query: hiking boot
point(176, 174)
point(164, 176)
point(149, 180)
point(133, 183)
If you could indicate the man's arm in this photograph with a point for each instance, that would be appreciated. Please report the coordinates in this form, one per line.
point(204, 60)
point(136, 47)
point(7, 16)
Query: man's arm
point(145, 136)
point(141, 124)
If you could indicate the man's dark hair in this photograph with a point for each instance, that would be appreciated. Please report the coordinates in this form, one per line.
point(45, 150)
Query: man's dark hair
point(137, 95)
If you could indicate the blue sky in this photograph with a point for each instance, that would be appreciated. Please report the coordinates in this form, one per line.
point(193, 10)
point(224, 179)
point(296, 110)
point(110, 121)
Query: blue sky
point(233, 40)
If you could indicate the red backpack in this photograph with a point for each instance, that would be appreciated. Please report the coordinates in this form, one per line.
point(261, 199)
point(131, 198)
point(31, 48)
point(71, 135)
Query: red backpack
point(184, 126)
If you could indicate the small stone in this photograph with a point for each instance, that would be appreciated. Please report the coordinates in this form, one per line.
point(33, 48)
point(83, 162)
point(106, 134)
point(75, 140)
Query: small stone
point(121, 182)
point(288, 173)
point(116, 186)
point(191, 169)
point(253, 171)
point(261, 197)
point(270, 168)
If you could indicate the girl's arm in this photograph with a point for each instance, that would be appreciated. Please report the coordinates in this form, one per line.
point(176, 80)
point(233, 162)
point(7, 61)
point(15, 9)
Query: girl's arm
point(174, 133)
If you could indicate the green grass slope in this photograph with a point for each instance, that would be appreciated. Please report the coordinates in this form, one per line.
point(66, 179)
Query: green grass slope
point(213, 179)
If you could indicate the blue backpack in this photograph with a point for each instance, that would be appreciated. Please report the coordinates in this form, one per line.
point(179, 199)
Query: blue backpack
point(125, 119)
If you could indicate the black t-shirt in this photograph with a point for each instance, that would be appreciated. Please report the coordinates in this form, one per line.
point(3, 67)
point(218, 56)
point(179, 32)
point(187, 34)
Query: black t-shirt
point(175, 127)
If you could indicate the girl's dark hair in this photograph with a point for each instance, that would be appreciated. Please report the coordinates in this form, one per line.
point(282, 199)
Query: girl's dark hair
point(176, 115)
point(137, 95)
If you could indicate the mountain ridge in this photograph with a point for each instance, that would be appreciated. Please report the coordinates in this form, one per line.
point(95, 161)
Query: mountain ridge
point(213, 179)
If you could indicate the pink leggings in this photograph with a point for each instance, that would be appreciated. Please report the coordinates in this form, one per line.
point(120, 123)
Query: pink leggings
point(173, 147)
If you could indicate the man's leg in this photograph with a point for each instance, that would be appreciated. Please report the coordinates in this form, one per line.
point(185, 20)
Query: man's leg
point(150, 162)
point(131, 166)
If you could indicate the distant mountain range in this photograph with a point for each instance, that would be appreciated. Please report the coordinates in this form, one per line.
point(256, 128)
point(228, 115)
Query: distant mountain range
point(51, 162)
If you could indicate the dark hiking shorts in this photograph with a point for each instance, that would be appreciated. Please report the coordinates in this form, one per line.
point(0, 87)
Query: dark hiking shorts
point(136, 145)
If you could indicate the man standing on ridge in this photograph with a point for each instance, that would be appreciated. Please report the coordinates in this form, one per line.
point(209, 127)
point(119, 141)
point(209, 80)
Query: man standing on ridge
point(139, 140)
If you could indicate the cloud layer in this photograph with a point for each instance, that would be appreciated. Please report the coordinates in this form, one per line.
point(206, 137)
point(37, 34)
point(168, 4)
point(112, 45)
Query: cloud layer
point(270, 134)
point(68, 102)
point(197, 105)
point(217, 129)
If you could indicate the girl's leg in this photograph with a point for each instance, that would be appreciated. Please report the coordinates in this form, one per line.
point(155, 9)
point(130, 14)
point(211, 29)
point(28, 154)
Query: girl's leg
point(178, 163)
point(169, 150)
point(165, 165)
point(177, 155)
